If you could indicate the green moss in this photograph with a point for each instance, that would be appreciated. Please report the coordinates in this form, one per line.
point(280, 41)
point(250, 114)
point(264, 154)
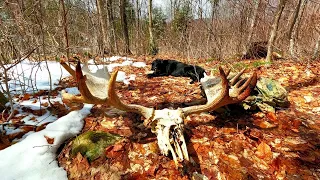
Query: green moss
point(239, 66)
point(260, 63)
point(92, 144)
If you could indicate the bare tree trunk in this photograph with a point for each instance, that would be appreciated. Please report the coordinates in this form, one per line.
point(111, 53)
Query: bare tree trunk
point(211, 30)
point(274, 29)
point(294, 26)
point(137, 41)
point(3, 101)
point(65, 27)
point(5, 73)
point(153, 50)
point(252, 24)
point(103, 24)
point(295, 16)
point(43, 44)
point(124, 25)
point(316, 49)
point(111, 31)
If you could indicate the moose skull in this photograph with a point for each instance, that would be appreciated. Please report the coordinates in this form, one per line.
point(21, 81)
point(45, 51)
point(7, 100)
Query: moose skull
point(167, 124)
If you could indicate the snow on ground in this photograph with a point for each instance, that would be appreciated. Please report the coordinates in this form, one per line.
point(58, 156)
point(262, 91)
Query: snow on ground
point(32, 119)
point(114, 58)
point(32, 76)
point(34, 158)
point(29, 76)
point(35, 76)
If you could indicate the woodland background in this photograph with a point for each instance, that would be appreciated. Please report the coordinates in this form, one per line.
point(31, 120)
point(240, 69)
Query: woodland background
point(210, 29)
point(209, 33)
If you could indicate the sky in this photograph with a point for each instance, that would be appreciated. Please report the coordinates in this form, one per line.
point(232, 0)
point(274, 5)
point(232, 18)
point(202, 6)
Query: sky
point(203, 4)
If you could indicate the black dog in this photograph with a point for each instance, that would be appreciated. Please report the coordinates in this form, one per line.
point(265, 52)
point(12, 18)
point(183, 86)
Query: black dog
point(175, 68)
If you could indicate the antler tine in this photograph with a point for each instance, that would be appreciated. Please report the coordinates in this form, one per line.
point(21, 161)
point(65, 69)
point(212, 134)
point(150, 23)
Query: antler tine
point(215, 101)
point(250, 83)
point(237, 93)
point(228, 72)
point(88, 89)
point(247, 87)
point(235, 78)
point(68, 68)
point(97, 90)
point(116, 102)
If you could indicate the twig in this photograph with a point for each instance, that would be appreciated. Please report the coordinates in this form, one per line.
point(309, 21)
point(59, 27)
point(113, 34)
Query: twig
point(22, 59)
point(7, 86)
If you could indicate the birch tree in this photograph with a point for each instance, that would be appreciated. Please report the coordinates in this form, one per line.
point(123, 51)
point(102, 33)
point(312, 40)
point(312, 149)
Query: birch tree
point(316, 47)
point(294, 26)
point(252, 24)
point(274, 29)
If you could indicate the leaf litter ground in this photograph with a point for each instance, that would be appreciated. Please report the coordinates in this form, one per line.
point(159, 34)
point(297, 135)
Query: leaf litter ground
point(232, 145)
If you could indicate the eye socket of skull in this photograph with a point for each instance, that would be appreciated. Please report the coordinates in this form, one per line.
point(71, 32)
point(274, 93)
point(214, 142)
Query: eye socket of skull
point(153, 125)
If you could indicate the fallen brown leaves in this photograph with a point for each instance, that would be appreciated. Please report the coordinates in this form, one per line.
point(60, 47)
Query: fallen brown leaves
point(49, 139)
point(238, 145)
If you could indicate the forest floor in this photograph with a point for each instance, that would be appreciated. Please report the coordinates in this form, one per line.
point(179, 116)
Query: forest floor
point(238, 145)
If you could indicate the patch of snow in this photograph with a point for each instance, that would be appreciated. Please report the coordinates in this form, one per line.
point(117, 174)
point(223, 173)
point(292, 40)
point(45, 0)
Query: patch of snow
point(73, 90)
point(30, 118)
point(23, 137)
point(121, 76)
point(35, 103)
point(11, 130)
point(127, 63)
point(33, 76)
point(113, 65)
point(308, 98)
point(139, 64)
point(316, 110)
point(114, 58)
point(129, 78)
point(91, 61)
point(34, 158)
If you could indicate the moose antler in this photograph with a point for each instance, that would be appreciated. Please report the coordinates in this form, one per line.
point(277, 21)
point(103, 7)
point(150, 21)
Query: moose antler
point(97, 88)
point(167, 124)
point(220, 92)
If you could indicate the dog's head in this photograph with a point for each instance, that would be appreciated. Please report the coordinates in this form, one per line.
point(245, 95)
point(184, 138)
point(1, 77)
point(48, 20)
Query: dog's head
point(156, 65)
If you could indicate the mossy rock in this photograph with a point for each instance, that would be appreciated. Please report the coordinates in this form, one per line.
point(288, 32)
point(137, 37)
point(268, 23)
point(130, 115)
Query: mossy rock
point(92, 144)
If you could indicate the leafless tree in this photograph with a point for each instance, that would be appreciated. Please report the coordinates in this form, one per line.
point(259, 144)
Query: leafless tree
point(252, 24)
point(111, 31)
point(316, 21)
point(274, 29)
point(124, 25)
point(65, 27)
point(103, 23)
point(152, 46)
point(294, 26)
